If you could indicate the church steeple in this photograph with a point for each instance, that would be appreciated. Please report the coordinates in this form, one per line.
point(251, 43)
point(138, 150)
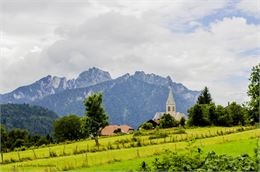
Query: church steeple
point(170, 103)
point(170, 100)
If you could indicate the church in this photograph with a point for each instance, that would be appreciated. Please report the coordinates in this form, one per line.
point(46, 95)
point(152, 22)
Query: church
point(170, 109)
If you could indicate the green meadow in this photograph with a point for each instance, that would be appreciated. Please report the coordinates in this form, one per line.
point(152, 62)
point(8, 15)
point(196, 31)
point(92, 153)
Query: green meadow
point(127, 151)
point(233, 148)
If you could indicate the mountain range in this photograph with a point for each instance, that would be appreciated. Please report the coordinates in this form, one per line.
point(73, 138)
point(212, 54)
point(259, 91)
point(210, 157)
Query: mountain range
point(128, 99)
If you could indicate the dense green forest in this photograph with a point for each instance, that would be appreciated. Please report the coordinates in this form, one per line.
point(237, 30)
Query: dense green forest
point(35, 119)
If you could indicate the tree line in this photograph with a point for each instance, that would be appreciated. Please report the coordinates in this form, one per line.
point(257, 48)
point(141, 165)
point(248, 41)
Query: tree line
point(205, 112)
point(17, 138)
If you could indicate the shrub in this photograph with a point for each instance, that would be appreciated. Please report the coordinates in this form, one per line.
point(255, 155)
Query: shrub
point(147, 126)
point(139, 144)
point(170, 161)
point(144, 167)
point(167, 121)
point(138, 133)
point(134, 139)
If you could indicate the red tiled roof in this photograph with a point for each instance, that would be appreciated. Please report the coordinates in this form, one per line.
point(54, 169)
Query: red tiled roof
point(109, 130)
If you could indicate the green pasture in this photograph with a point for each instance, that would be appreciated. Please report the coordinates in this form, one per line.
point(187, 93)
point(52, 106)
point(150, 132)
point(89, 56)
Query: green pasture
point(233, 148)
point(43, 162)
point(114, 142)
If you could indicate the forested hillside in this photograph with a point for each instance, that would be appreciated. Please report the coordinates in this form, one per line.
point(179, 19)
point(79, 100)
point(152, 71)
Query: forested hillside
point(35, 119)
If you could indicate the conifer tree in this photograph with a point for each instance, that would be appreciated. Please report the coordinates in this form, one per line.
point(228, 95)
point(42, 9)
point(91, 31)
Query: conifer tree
point(205, 97)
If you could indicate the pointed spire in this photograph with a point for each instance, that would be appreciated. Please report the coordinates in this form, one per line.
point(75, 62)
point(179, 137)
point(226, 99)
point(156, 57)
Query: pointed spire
point(170, 100)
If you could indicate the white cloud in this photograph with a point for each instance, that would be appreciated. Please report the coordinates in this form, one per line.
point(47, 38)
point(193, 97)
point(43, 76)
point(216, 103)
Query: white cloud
point(122, 36)
point(35, 49)
point(251, 7)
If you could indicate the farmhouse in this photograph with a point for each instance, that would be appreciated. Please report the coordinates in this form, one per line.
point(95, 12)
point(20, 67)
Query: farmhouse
point(114, 129)
point(170, 109)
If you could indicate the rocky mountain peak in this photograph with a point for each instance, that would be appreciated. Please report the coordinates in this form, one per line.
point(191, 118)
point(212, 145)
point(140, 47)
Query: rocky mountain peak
point(151, 78)
point(91, 77)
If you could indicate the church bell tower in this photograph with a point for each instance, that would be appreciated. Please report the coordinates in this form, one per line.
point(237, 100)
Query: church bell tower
point(170, 104)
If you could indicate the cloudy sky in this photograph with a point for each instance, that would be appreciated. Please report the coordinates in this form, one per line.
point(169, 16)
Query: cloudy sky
point(196, 42)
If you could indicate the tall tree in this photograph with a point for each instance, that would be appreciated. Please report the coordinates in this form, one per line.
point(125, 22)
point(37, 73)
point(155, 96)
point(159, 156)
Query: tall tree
point(67, 128)
point(96, 115)
point(237, 113)
point(205, 97)
point(224, 118)
point(253, 92)
point(212, 115)
point(197, 116)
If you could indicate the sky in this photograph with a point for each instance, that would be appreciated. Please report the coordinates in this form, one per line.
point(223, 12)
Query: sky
point(198, 43)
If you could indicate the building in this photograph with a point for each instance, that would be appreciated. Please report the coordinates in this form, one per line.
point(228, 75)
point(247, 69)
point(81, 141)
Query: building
point(155, 123)
point(170, 108)
point(114, 129)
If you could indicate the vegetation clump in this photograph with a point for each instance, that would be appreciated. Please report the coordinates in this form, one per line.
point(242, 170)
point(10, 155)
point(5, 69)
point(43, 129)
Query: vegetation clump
point(211, 162)
point(147, 126)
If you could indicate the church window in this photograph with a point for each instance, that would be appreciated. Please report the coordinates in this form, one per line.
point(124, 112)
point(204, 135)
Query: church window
point(169, 108)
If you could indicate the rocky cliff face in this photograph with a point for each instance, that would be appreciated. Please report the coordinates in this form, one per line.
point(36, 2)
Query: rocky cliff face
point(50, 85)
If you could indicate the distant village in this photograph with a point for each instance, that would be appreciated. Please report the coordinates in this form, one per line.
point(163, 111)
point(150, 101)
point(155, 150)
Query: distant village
point(155, 121)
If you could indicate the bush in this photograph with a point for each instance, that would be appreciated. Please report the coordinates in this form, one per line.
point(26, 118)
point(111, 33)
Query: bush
point(167, 121)
point(144, 167)
point(138, 133)
point(212, 162)
point(147, 126)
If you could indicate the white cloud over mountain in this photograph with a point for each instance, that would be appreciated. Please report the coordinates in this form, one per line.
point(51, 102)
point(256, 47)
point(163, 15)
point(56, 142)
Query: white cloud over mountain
point(165, 37)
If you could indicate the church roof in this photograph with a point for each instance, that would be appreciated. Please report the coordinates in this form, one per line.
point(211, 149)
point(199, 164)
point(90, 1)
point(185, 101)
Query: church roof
point(158, 115)
point(170, 100)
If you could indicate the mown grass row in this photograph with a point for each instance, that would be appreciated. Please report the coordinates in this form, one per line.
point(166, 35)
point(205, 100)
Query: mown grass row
point(97, 158)
point(138, 139)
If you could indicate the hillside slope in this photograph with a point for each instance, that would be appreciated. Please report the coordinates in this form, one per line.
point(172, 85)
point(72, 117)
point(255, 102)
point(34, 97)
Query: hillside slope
point(35, 119)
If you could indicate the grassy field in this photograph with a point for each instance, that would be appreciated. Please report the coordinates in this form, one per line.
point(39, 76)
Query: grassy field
point(233, 148)
point(40, 160)
point(117, 142)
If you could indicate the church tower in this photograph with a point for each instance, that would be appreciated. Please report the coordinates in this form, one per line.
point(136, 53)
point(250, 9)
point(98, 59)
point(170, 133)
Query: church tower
point(170, 104)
